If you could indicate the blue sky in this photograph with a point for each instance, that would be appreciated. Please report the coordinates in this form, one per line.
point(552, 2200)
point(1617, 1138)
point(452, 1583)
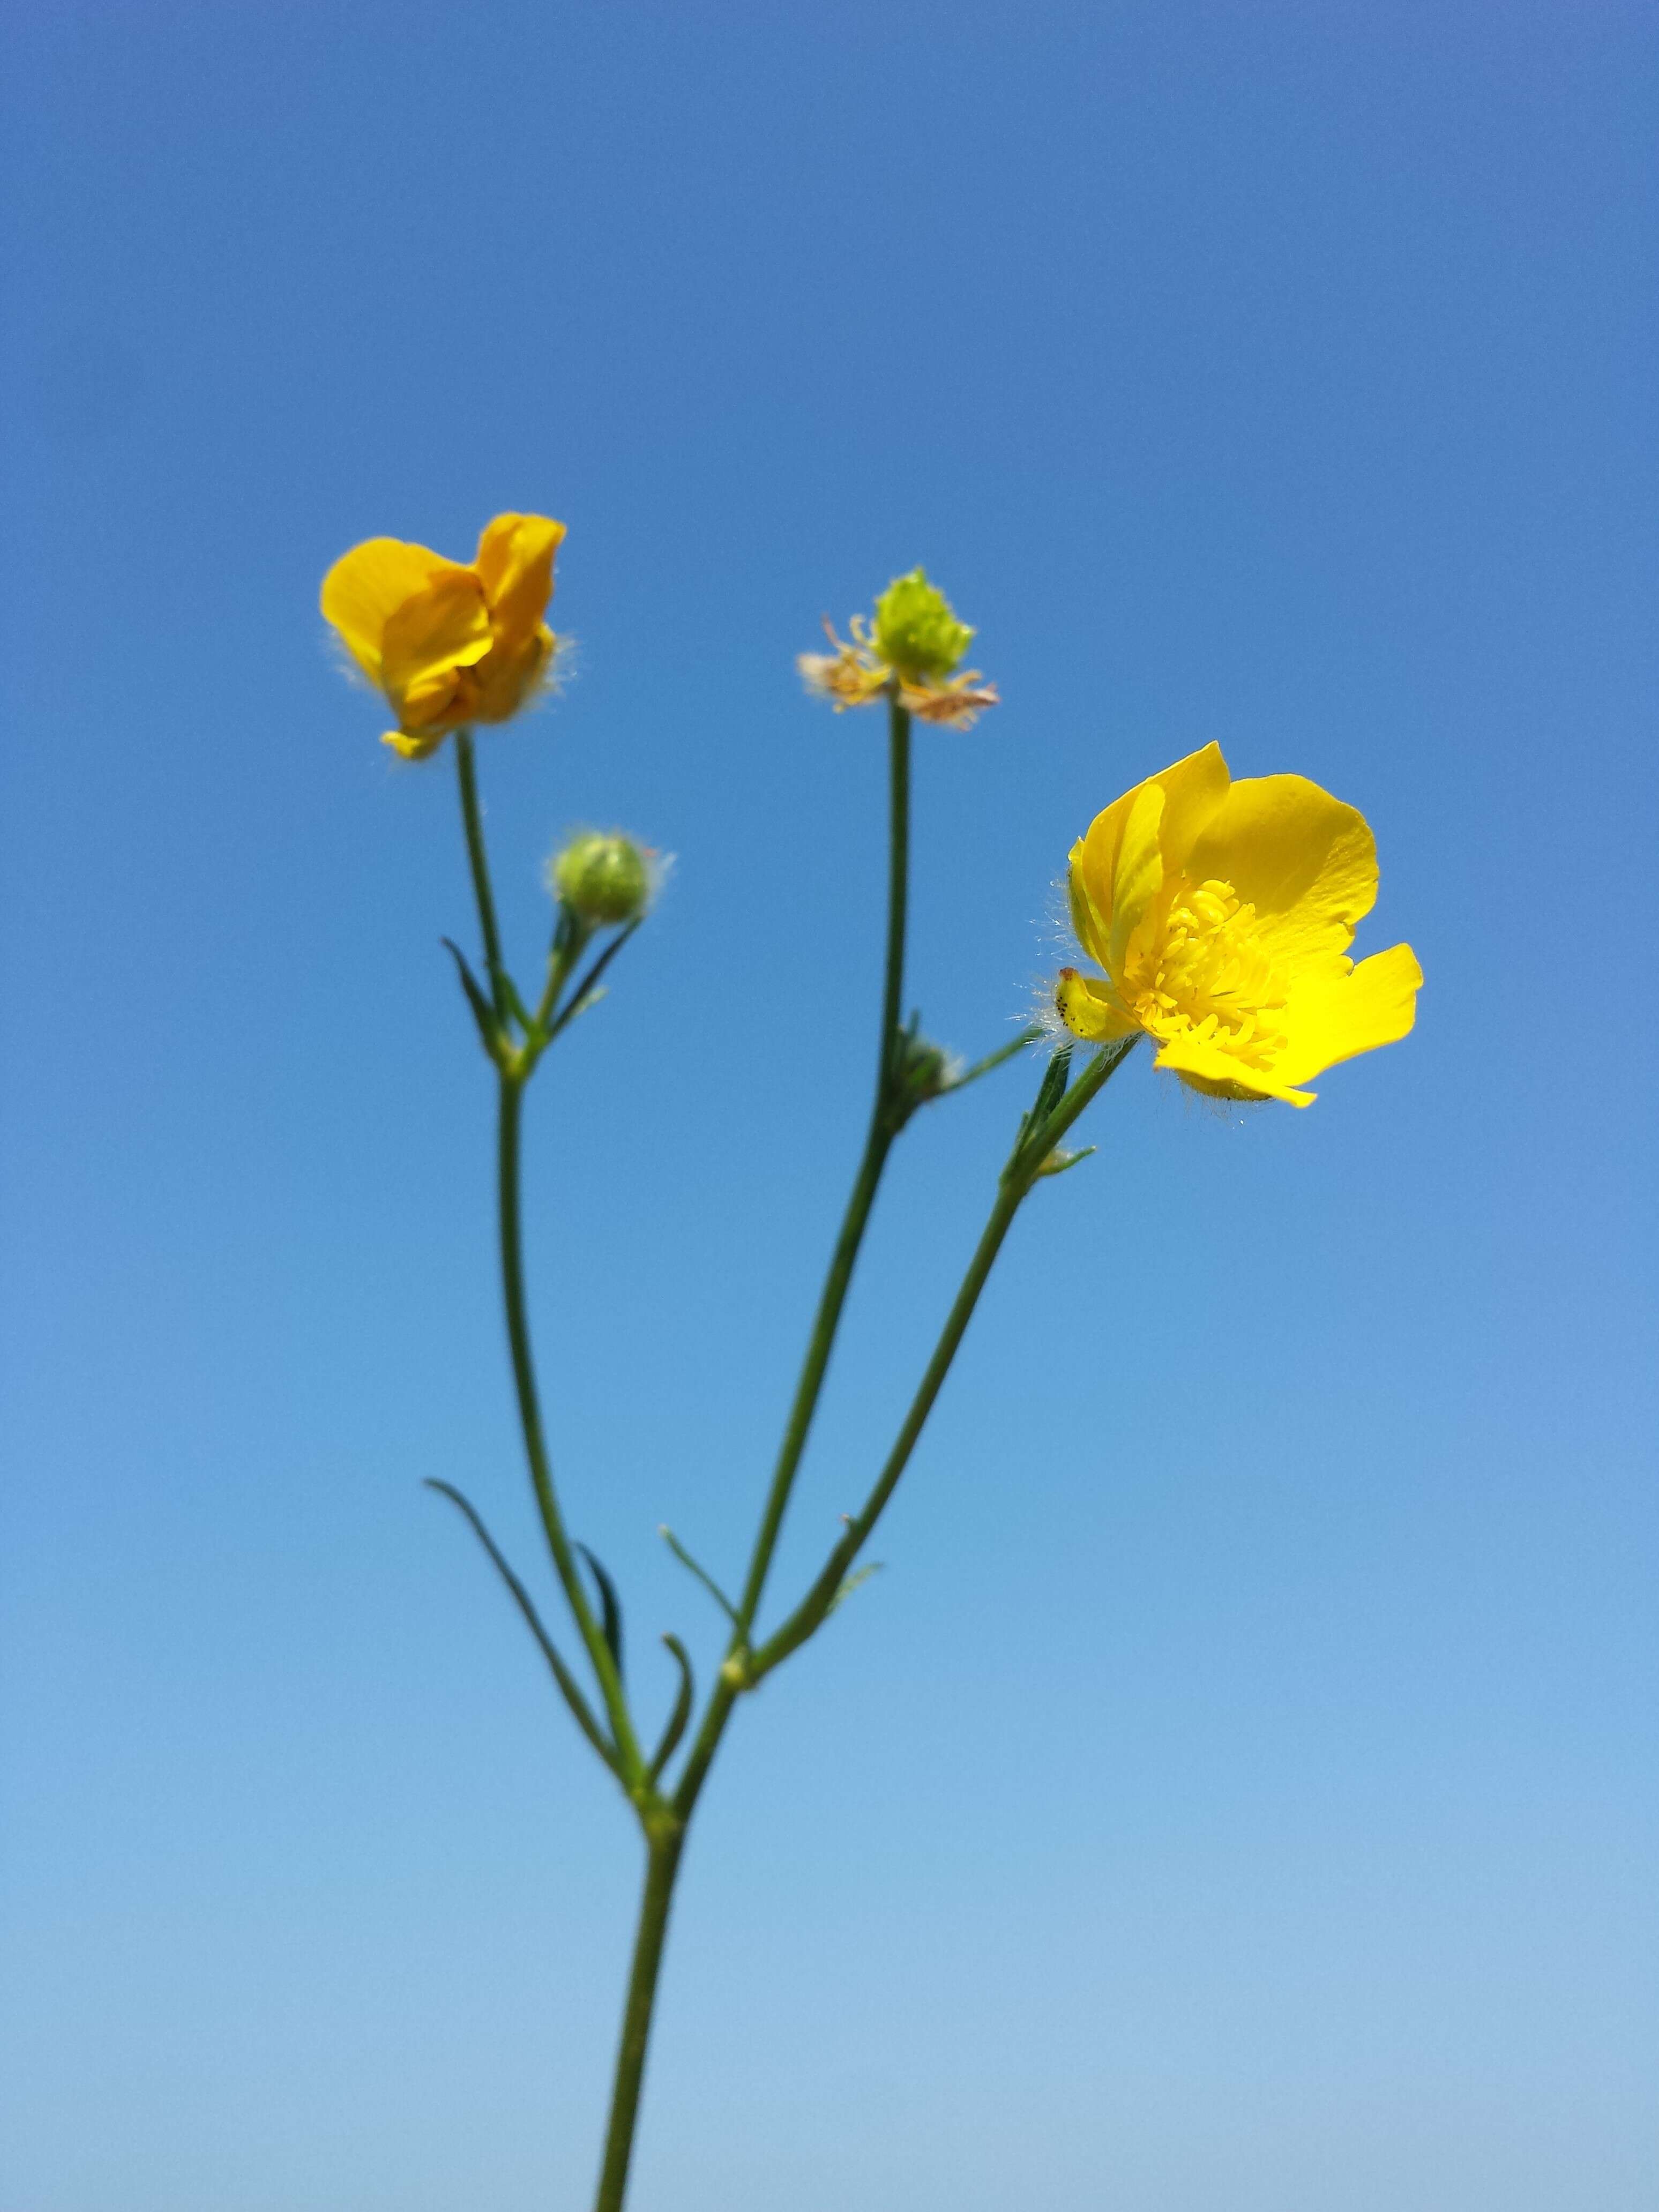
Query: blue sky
point(1237, 1791)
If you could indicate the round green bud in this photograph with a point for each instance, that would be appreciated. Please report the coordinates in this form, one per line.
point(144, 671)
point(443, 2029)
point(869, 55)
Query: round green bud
point(921, 1070)
point(924, 1069)
point(916, 629)
point(603, 877)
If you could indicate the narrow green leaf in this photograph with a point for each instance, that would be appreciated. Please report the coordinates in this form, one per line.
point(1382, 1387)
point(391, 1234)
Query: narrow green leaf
point(570, 933)
point(994, 1058)
point(702, 1573)
point(489, 1028)
point(586, 993)
point(610, 1605)
point(851, 1584)
point(682, 1712)
point(1055, 1080)
point(562, 1674)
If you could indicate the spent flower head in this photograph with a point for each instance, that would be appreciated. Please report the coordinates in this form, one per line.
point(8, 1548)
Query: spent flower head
point(916, 631)
point(912, 651)
point(604, 877)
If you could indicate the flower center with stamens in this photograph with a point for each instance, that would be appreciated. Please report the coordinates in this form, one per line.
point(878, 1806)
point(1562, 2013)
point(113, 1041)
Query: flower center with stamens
point(1195, 965)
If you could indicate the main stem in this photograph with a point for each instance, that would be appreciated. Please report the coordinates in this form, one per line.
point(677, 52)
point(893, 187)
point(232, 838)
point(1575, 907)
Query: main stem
point(661, 1865)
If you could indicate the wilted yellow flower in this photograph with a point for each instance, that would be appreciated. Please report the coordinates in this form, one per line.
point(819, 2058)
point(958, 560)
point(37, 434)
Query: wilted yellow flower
point(911, 648)
point(1222, 914)
point(449, 645)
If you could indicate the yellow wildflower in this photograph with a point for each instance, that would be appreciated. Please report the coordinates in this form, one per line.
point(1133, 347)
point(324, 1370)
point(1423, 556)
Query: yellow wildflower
point(910, 651)
point(1222, 914)
point(448, 644)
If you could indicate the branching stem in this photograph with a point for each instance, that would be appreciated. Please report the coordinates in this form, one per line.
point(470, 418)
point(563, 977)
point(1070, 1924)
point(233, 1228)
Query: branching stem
point(665, 1814)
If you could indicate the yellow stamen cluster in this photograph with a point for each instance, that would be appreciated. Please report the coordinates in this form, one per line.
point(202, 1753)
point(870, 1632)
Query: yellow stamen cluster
point(1196, 967)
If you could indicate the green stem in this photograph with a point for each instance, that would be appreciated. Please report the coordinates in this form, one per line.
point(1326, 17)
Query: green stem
point(581, 993)
point(1014, 1188)
point(569, 940)
point(665, 1834)
point(898, 884)
point(808, 1389)
point(661, 1865)
point(878, 1144)
point(1028, 1035)
point(513, 1077)
point(816, 1604)
point(529, 1421)
point(478, 862)
point(826, 1321)
point(741, 1671)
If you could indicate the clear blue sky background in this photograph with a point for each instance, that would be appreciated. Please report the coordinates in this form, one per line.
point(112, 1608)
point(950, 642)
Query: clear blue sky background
point(1238, 1793)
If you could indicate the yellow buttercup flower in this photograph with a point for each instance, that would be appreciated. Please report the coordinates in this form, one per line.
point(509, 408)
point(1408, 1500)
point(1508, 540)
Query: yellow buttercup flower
point(911, 650)
point(449, 644)
point(1222, 914)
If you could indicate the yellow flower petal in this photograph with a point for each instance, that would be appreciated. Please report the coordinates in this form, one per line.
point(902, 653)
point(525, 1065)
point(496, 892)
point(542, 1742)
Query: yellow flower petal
point(509, 675)
point(1088, 1009)
point(417, 748)
point(365, 587)
point(1086, 925)
point(1193, 790)
point(1138, 875)
point(515, 565)
point(1306, 862)
point(436, 631)
point(1206, 1065)
point(1329, 1018)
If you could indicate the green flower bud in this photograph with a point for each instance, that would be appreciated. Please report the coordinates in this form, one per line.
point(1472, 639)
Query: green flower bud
point(916, 631)
point(604, 877)
point(922, 1070)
